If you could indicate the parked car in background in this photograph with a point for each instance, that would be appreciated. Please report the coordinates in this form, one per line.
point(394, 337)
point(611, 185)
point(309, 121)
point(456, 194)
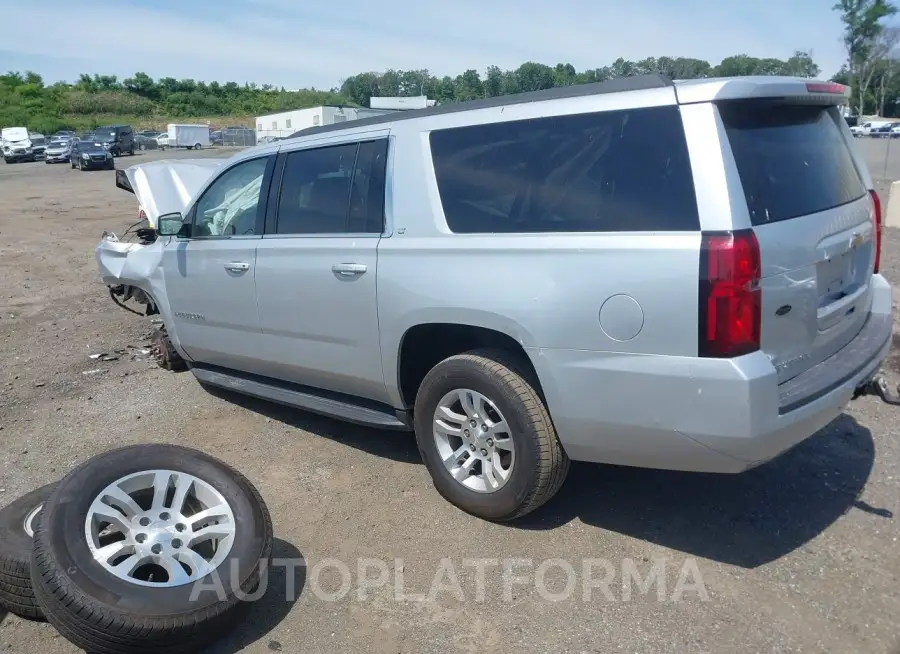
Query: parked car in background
point(118, 139)
point(91, 155)
point(866, 128)
point(16, 145)
point(162, 141)
point(882, 131)
point(148, 133)
point(38, 144)
point(582, 224)
point(59, 150)
point(143, 142)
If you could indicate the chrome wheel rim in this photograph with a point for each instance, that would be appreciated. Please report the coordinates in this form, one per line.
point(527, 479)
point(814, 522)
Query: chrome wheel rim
point(474, 441)
point(160, 528)
point(29, 520)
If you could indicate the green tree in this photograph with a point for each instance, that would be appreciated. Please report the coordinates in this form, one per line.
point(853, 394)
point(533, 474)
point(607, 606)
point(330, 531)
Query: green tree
point(862, 21)
point(95, 99)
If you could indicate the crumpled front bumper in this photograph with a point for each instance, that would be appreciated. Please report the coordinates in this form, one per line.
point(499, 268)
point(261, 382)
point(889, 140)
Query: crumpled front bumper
point(134, 264)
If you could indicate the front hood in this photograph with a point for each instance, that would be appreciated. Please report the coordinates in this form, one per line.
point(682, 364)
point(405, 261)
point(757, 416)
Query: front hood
point(57, 150)
point(23, 143)
point(166, 186)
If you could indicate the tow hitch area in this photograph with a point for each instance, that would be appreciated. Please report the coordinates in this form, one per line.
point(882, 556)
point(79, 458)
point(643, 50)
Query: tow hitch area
point(878, 386)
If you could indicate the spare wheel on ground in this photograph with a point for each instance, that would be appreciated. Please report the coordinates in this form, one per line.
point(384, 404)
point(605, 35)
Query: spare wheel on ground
point(16, 530)
point(149, 548)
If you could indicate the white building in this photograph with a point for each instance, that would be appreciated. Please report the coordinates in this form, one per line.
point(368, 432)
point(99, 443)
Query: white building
point(401, 103)
point(287, 122)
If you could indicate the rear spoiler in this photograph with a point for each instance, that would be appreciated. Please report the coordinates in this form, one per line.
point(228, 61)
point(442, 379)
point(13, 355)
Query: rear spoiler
point(796, 90)
point(122, 181)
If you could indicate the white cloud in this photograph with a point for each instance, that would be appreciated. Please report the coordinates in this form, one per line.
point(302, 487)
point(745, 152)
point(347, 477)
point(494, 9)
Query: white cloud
point(285, 43)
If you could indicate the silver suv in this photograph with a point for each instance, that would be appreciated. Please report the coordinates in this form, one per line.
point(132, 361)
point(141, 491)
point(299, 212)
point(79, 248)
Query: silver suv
point(669, 275)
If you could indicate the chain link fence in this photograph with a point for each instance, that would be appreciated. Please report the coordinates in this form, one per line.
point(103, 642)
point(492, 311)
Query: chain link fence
point(272, 135)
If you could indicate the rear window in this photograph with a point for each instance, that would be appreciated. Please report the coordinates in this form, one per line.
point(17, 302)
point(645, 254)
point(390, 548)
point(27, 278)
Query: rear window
point(792, 160)
point(601, 172)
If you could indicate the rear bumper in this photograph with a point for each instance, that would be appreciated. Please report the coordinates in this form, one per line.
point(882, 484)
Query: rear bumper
point(706, 415)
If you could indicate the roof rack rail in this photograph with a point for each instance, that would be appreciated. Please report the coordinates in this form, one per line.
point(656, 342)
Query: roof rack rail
point(617, 85)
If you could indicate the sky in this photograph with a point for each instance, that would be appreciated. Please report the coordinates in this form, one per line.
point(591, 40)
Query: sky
point(301, 44)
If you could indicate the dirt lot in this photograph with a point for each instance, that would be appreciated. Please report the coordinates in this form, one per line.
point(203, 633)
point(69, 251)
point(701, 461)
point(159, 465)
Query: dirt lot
point(798, 555)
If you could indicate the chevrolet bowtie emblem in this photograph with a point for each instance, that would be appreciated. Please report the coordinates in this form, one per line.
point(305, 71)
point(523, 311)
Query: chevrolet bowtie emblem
point(856, 241)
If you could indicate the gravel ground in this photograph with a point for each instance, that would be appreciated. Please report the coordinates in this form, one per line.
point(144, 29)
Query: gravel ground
point(798, 555)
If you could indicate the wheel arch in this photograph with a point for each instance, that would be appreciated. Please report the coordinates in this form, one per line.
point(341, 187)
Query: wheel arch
point(425, 343)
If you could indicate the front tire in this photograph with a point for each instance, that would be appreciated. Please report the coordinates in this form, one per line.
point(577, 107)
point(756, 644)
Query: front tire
point(164, 352)
point(511, 461)
point(194, 537)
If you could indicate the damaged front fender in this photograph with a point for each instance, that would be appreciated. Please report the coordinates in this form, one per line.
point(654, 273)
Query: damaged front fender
point(133, 271)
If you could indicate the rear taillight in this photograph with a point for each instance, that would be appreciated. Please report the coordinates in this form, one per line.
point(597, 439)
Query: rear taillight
point(876, 211)
point(825, 87)
point(730, 296)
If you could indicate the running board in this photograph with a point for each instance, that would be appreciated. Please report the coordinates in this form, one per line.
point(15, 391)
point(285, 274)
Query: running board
point(307, 399)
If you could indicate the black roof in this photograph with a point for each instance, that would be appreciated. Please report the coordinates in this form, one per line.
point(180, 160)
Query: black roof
point(618, 85)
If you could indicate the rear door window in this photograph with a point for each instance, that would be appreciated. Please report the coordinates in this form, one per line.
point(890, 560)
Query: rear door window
point(336, 189)
point(600, 172)
point(793, 160)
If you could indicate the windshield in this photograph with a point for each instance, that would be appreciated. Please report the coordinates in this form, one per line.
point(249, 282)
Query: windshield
point(104, 137)
point(38, 140)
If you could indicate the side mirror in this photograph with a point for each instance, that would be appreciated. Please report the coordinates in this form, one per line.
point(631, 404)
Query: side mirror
point(170, 224)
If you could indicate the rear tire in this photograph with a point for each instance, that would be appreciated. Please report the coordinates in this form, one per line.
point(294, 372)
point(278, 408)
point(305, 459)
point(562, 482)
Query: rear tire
point(196, 146)
point(539, 465)
point(16, 592)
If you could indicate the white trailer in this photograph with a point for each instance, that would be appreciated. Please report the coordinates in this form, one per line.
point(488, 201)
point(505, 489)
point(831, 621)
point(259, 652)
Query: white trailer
point(187, 136)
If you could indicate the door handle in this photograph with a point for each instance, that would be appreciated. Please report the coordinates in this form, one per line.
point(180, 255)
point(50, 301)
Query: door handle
point(349, 269)
point(237, 266)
